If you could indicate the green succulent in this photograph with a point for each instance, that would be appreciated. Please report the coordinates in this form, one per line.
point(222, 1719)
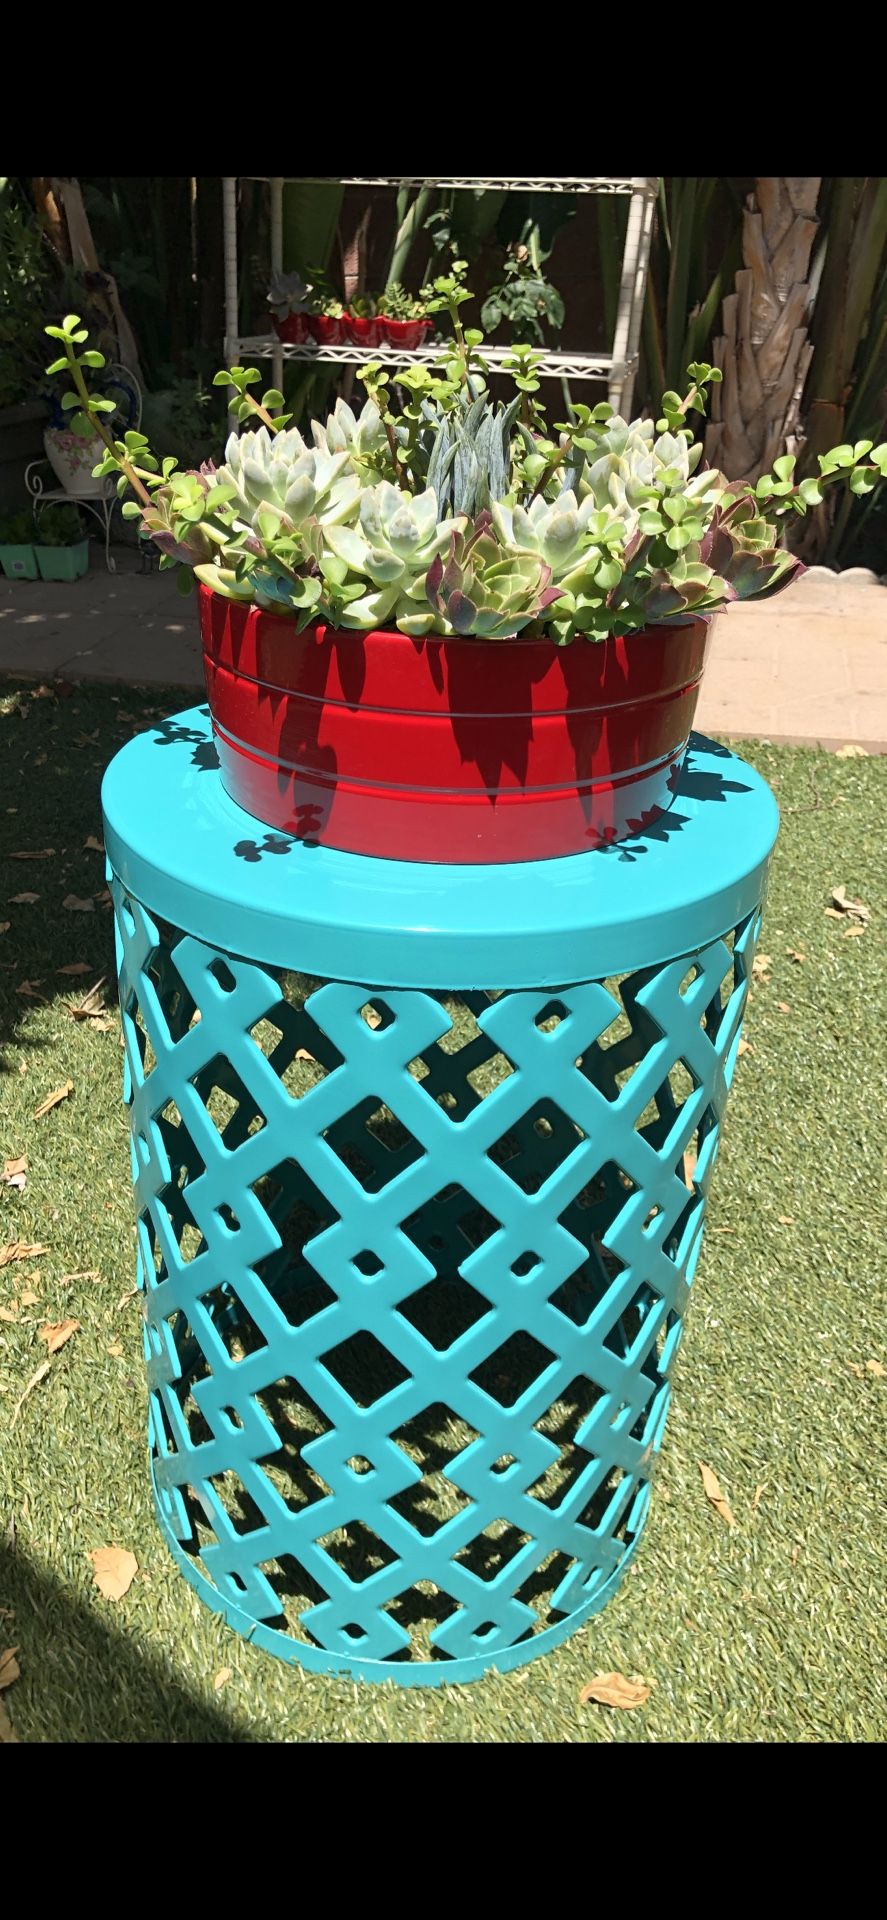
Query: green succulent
point(376, 570)
point(289, 293)
point(481, 590)
point(361, 436)
point(280, 483)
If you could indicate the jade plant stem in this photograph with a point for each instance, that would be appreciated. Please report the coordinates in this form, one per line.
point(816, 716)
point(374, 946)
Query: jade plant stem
point(135, 475)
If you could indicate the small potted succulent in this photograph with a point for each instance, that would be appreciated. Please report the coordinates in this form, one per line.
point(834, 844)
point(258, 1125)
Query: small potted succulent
point(446, 630)
point(17, 557)
point(326, 320)
point(403, 320)
point(361, 322)
point(60, 544)
point(289, 298)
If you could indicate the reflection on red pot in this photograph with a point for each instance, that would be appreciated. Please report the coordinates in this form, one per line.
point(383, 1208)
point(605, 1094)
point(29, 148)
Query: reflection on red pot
point(406, 334)
point(326, 329)
point(294, 330)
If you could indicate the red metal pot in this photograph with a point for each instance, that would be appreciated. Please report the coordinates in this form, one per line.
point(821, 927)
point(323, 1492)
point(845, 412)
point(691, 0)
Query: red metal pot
point(327, 331)
point(406, 334)
point(362, 331)
point(448, 750)
point(294, 329)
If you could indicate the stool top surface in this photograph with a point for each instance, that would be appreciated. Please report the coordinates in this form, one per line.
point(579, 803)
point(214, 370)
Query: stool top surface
point(191, 856)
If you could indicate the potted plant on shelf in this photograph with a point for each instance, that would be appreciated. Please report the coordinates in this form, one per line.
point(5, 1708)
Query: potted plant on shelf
point(403, 319)
point(289, 298)
point(446, 631)
point(361, 323)
point(326, 320)
point(17, 557)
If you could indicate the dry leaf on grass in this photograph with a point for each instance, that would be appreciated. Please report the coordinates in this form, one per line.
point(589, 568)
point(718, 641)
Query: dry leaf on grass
point(57, 1332)
point(15, 1173)
point(853, 1368)
point(794, 953)
point(689, 1170)
point(114, 1570)
point(29, 1298)
point(855, 908)
point(37, 853)
point(786, 1219)
point(6, 1313)
point(89, 1273)
point(303, 1054)
point(92, 845)
point(23, 899)
point(851, 752)
point(713, 1493)
point(91, 1008)
point(851, 933)
point(21, 1250)
point(28, 990)
point(744, 1046)
point(221, 1679)
point(54, 1099)
point(614, 1690)
point(73, 904)
point(9, 1667)
point(781, 1007)
point(115, 1351)
point(875, 1367)
point(761, 967)
point(73, 968)
point(758, 1496)
point(36, 1377)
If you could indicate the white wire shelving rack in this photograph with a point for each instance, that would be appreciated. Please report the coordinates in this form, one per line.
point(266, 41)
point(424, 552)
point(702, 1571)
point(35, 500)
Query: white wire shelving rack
point(616, 369)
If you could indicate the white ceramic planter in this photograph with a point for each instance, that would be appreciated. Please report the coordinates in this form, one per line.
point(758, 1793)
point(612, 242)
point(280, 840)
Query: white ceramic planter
point(72, 460)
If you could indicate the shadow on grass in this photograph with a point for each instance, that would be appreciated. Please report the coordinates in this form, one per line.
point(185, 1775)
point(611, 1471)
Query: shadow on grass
point(83, 1679)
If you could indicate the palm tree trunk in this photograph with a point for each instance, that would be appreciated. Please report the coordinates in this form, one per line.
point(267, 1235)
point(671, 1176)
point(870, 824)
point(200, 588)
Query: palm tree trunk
point(764, 353)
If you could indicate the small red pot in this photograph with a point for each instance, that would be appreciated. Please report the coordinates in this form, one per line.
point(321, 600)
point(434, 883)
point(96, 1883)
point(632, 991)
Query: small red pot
point(327, 331)
point(406, 334)
point(448, 749)
point(362, 332)
point(294, 330)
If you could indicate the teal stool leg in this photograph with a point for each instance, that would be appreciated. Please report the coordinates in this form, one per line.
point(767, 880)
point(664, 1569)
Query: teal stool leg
point(414, 1271)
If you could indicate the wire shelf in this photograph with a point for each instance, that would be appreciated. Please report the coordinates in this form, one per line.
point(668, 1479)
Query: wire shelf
point(554, 366)
point(592, 183)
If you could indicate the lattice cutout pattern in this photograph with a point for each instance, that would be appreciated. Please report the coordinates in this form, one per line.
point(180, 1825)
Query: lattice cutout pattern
point(414, 1269)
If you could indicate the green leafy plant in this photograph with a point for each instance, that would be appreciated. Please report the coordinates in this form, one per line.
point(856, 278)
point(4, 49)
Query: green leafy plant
point(396, 304)
point(524, 299)
point(444, 511)
point(58, 526)
point(17, 529)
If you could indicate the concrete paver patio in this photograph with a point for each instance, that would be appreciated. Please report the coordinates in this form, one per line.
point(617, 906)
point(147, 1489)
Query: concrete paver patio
point(807, 666)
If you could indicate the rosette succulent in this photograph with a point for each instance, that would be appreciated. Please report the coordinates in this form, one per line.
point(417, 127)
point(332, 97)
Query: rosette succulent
point(481, 590)
point(376, 571)
point(280, 482)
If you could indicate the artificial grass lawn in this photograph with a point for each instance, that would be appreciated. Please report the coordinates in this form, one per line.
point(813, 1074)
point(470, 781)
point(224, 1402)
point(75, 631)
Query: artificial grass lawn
point(770, 1630)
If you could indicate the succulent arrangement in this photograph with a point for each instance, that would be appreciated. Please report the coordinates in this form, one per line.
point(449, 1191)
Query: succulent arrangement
point(302, 311)
point(438, 510)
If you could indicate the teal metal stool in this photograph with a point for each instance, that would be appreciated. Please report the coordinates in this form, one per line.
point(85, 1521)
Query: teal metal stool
point(420, 1158)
